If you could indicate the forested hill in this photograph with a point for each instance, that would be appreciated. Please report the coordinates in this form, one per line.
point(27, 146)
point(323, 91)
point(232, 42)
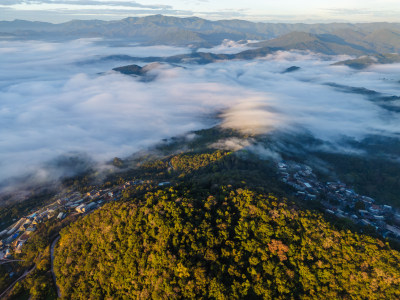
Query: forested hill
point(159, 29)
point(201, 237)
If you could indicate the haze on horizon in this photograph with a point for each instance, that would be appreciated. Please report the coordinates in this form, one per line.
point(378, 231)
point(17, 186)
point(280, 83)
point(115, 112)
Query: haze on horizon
point(290, 11)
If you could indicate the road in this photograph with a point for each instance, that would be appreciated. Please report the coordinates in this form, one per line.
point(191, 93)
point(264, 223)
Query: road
point(6, 261)
point(20, 278)
point(52, 265)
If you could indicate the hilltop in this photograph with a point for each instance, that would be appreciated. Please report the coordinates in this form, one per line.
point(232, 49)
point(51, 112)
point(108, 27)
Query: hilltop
point(369, 60)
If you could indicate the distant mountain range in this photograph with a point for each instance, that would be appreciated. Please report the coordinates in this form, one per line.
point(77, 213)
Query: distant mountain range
point(328, 44)
point(363, 38)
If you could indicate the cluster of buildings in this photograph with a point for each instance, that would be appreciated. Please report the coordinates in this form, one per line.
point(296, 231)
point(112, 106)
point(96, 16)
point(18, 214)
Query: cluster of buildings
point(340, 200)
point(15, 236)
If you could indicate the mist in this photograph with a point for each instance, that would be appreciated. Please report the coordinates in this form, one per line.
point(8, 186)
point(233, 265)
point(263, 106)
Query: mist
point(52, 104)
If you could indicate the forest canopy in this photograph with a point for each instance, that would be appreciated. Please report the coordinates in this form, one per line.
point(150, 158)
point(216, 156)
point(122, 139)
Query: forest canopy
point(234, 243)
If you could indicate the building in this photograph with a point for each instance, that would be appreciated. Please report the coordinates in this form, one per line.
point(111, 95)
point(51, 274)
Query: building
point(8, 254)
point(89, 207)
point(31, 229)
point(79, 208)
point(394, 230)
point(387, 208)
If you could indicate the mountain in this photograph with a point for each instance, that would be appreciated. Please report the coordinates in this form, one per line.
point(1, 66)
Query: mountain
point(143, 72)
point(220, 227)
point(226, 244)
point(185, 220)
point(159, 29)
point(366, 61)
point(291, 69)
point(327, 44)
point(331, 44)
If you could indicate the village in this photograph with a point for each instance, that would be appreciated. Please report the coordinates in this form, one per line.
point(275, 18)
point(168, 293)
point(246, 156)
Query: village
point(340, 200)
point(15, 236)
point(336, 198)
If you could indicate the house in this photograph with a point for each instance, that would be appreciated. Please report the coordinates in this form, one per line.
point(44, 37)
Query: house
point(363, 213)
point(387, 208)
point(93, 194)
point(21, 241)
point(8, 254)
point(394, 230)
point(10, 239)
point(311, 197)
point(89, 207)
point(365, 222)
point(368, 199)
point(282, 165)
point(375, 209)
point(32, 216)
point(31, 229)
point(396, 216)
point(79, 208)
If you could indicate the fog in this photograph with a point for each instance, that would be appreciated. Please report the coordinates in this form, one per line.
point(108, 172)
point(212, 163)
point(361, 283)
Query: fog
point(229, 47)
point(52, 104)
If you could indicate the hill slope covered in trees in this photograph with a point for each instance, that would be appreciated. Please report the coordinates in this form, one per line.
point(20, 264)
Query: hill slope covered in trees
point(225, 242)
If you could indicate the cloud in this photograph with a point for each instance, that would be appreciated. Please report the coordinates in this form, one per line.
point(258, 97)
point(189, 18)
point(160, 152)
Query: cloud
point(228, 47)
point(53, 105)
point(252, 116)
point(58, 11)
point(86, 3)
point(234, 144)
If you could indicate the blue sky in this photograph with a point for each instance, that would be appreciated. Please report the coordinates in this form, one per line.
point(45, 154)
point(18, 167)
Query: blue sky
point(310, 11)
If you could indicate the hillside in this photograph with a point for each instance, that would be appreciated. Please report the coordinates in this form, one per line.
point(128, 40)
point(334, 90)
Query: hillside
point(159, 29)
point(369, 60)
point(328, 44)
point(227, 242)
point(220, 224)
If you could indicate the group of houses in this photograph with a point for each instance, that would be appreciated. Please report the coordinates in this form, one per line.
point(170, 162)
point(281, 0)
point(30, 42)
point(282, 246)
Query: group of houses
point(340, 200)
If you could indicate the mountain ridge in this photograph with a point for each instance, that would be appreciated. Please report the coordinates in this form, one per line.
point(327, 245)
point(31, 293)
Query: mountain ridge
point(156, 29)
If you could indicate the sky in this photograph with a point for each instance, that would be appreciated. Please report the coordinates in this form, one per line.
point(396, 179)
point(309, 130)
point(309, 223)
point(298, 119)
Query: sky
point(308, 11)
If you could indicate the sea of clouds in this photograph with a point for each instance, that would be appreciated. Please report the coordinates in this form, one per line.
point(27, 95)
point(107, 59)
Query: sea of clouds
point(52, 103)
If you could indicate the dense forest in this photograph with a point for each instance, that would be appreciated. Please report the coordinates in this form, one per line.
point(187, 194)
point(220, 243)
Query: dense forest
point(233, 243)
point(223, 226)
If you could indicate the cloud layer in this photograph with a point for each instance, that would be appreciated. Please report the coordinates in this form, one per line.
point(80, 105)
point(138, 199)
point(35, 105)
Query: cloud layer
point(51, 104)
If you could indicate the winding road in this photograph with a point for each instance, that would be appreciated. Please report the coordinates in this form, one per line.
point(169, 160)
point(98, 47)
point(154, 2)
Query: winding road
point(52, 265)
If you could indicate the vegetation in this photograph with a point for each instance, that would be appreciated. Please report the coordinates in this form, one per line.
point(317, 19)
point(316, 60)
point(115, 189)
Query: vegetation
point(35, 256)
point(366, 61)
point(221, 229)
point(38, 284)
point(192, 162)
point(231, 244)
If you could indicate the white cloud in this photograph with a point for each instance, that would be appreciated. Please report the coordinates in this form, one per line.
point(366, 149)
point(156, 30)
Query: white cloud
point(52, 104)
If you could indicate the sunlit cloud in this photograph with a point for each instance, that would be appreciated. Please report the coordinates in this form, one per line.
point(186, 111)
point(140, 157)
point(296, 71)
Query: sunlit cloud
point(60, 98)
